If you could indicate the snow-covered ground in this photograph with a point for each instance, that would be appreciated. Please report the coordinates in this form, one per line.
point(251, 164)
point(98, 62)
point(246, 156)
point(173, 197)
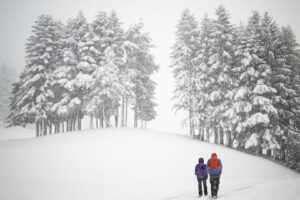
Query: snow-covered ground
point(131, 164)
point(16, 133)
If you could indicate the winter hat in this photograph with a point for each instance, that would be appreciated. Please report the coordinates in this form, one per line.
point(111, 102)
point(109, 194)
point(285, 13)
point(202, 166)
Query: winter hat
point(214, 155)
point(201, 160)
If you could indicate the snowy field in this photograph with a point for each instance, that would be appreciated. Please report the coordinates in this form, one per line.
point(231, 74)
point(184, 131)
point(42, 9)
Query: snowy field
point(16, 133)
point(130, 164)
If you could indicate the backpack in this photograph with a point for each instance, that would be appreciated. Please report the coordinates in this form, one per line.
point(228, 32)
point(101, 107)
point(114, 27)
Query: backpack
point(201, 171)
point(214, 163)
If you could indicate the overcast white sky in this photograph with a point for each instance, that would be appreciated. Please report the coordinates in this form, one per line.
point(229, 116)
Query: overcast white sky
point(160, 18)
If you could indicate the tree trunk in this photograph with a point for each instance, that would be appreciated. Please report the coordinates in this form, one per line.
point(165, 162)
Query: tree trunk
point(228, 137)
point(135, 117)
point(201, 133)
point(45, 127)
point(201, 130)
point(37, 131)
point(67, 124)
point(216, 135)
point(91, 122)
point(269, 153)
point(58, 127)
point(42, 128)
point(97, 121)
point(50, 128)
point(74, 124)
point(76, 120)
point(116, 120)
point(63, 126)
point(259, 148)
point(191, 123)
point(107, 122)
point(123, 112)
point(206, 134)
point(106, 118)
point(79, 117)
point(117, 117)
point(79, 123)
point(221, 136)
point(101, 120)
point(70, 124)
point(126, 112)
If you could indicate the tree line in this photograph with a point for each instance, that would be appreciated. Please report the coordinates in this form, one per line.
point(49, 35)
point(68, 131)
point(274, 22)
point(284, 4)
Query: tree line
point(240, 84)
point(8, 76)
point(80, 68)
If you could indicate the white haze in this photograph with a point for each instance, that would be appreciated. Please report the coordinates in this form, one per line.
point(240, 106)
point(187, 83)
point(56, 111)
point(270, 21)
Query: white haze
point(160, 18)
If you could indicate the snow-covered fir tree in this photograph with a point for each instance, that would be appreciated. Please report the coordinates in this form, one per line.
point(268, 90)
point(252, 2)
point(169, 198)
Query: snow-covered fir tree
point(146, 103)
point(140, 66)
point(83, 69)
point(287, 100)
point(100, 28)
point(245, 84)
point(292, 142)
point(265, 115)
point(253, 112)
point(106, 87)
point(203, 82)
point(221, 72)
point(33, 95)
point(246, 67)
point(110, 41)
point(8, 75)
point(73, 78)
point(185, 63)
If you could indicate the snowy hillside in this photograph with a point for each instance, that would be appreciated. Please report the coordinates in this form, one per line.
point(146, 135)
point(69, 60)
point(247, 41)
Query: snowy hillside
point(16, 133)
point(131, 164)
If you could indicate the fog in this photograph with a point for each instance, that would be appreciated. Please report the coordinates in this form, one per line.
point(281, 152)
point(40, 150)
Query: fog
point(160, 18)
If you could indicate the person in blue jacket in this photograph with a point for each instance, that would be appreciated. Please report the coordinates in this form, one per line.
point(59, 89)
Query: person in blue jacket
point(202, 174)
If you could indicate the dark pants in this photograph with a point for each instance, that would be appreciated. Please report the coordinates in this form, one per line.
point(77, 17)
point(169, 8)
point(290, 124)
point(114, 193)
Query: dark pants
point(214, 184)
point(200, 182)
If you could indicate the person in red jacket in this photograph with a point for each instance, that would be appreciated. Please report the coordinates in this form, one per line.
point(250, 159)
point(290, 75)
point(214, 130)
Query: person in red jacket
point(215, 167)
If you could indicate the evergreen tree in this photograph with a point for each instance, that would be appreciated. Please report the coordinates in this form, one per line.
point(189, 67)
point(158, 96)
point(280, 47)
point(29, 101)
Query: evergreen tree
point(109, 44)
point(34, 93)
point(8, 75)
point(74, 75)
point(184, 63)
point(246, 67)
point(140, 66)
point(107, 86)
point(146, 109)
point(264, 89)
point(287, 99)
point(220, 71)
point(245, 84)
point(203, 82)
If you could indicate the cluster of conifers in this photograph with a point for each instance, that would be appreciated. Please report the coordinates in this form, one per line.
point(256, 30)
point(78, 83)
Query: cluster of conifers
point(82, 69)
point(240, 84)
